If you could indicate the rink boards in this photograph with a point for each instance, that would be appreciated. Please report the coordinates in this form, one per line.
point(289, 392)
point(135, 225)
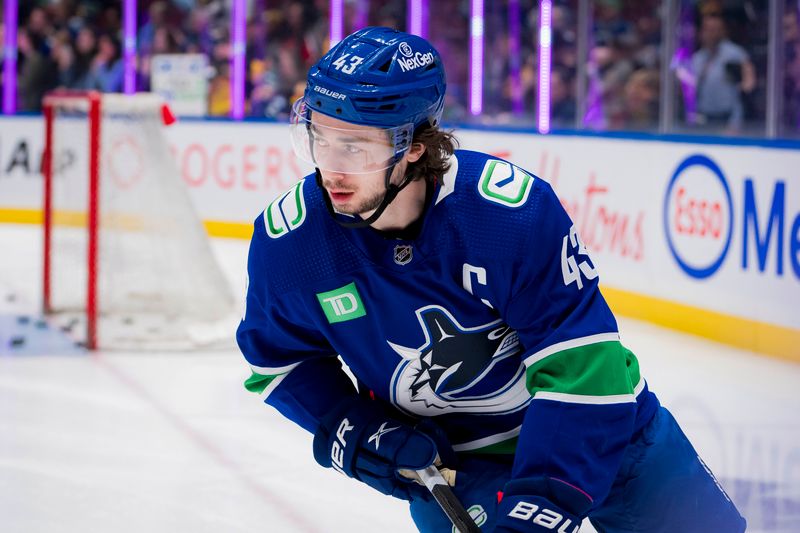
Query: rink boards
point(690, 233)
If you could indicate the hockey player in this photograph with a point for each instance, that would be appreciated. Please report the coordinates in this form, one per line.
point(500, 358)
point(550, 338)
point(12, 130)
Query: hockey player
point(456, 289)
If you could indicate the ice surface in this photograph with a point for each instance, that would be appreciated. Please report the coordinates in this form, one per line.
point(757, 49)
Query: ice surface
point(131, 442)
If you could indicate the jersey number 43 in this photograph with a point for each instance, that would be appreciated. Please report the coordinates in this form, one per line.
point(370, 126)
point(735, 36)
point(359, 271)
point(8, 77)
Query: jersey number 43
point(571, 269)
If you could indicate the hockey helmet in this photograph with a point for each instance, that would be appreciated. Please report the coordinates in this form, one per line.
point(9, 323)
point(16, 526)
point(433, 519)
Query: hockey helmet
point(376, 77)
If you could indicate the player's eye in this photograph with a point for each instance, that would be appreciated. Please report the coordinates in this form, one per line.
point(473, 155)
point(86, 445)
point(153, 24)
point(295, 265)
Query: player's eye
point(352, 149)
point(321, 141)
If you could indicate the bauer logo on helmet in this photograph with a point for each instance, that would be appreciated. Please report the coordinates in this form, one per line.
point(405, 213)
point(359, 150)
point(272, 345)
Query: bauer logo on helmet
point(329, 93)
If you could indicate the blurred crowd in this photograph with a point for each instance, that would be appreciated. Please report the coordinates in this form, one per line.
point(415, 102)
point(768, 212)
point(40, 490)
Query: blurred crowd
point(719, 68)
point(77, 45)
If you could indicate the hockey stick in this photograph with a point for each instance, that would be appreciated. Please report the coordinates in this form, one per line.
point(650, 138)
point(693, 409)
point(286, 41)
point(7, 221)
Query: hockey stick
point(447, 500)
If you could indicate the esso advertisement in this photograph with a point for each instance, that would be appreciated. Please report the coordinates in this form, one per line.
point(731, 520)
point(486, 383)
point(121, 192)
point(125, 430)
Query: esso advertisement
point(731, 226)
point(698, 215)
point(748, 222)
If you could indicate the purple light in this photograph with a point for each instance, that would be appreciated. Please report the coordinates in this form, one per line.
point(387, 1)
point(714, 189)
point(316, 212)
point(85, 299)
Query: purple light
point(129, 47)
point(418, 17)
point(10, 59)
point(362, 14)
point(238, 23)
point(514, 56)
point(337, 21)
point(476, 58)
point(545, 41)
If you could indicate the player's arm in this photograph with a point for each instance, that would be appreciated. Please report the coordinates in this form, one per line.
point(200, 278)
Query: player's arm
point(294, 369)
point(581, 378)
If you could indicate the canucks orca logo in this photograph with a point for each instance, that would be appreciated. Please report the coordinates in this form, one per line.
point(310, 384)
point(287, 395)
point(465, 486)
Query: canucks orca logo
point(457, 368)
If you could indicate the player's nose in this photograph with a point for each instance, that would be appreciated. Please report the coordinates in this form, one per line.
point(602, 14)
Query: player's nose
point(332, 179)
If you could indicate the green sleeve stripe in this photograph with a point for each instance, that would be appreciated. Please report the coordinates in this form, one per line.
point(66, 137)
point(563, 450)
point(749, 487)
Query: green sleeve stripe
point(506, 447)
point(593, 371)
point(567, 345)
point(263, 385)
point(257, 382)
point(263, 380)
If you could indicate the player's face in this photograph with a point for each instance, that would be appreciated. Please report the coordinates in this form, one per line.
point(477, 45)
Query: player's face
point(341, 145)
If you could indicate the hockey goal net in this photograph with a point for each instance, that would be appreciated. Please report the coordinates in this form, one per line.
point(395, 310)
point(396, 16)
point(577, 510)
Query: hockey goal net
point(127, 262)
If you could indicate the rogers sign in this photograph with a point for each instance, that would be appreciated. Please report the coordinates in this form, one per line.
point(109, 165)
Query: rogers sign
point(700, 219)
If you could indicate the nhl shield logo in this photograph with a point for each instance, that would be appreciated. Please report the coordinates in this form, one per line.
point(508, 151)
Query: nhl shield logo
point(403, 253)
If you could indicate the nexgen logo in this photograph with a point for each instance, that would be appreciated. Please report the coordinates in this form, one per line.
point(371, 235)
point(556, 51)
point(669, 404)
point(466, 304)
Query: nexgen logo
point(342, 304)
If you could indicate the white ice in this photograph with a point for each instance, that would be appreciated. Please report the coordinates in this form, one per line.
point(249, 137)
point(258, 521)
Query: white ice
point(132, 442)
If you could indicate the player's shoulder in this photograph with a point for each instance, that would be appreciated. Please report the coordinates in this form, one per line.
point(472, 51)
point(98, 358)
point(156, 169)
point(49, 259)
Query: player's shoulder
point(297, 239)
point(493, 190)
point(288, 214)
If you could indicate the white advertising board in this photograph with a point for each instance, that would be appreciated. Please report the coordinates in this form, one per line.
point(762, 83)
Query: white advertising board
point(713, 227)
point(182, 80)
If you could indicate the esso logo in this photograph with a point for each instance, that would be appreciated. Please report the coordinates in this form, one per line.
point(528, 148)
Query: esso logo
point(698, 216)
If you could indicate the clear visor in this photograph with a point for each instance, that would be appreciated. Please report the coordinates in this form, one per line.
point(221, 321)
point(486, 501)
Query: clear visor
point(351, 150)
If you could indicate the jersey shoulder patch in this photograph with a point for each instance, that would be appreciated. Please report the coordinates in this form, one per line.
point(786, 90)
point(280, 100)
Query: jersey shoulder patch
point(504, 183)
point(286, 213)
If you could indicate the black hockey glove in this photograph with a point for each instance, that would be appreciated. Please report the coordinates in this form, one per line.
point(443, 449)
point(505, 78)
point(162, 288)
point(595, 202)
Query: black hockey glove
point(524, 509)
point(361, 441)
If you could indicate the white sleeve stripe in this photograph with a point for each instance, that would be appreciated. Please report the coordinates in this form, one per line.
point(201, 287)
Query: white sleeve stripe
point(637, 390)
point(272, 370)
point(566, 345)
point(487, 441)
point(583, 399)
point(272, 386)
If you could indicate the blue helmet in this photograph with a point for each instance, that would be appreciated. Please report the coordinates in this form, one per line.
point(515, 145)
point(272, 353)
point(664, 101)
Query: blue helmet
point(379, 77)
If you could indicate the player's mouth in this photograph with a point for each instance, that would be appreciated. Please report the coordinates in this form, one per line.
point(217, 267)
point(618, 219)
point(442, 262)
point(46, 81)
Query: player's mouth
point(340, 197)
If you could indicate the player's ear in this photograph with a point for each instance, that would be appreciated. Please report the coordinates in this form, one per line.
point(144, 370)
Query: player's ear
point(415, 152)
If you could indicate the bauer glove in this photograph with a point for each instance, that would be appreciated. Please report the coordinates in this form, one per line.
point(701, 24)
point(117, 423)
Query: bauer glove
point(526, 507)
point(360, 440)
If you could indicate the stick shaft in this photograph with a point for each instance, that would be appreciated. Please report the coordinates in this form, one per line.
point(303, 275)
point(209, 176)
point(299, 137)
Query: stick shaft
point(447, 500)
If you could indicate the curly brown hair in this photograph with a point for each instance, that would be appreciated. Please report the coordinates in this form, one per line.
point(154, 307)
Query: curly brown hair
point(439, 146)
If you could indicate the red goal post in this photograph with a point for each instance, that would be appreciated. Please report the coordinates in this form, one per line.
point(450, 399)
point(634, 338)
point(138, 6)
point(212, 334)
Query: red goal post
point(126, 258)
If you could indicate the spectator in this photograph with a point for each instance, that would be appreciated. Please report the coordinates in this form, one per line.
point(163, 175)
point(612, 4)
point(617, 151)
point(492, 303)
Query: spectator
point(722, 72)
point(39, 28)
point(266, 100)
point(562, 100)
point(791, 82)
point(79, 74)
point(37, 73)
point(107, 65)
point(157, 19)
point(641, 100)
point(219, 91)
point(609, 70)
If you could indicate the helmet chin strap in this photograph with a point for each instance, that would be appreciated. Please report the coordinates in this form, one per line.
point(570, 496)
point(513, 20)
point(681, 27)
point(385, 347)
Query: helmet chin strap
point(392, 191)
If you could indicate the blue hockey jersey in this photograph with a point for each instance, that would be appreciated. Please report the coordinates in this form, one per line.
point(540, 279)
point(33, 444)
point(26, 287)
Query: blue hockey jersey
point(491, 321)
